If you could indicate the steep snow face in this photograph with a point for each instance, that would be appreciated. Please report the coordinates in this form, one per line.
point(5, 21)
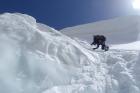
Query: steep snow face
point(35, 58)
point(118, 30)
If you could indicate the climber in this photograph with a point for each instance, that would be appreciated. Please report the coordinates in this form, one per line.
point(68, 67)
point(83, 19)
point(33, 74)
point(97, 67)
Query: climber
point(100, 40)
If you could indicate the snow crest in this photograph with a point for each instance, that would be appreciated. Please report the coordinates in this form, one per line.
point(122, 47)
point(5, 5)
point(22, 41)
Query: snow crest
point(35, 58)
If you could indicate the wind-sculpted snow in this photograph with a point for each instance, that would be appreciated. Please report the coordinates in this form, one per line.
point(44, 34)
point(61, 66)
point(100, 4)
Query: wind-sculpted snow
point(118, 73)
point(35, 58)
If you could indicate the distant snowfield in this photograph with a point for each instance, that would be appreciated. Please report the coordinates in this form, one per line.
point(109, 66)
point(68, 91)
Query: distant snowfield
point(121, 33)
point(35, 58)
point(118, 31)
point(129, 46)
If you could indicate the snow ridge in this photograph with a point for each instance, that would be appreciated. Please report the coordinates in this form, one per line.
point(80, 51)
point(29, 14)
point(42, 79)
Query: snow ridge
point(35, 58)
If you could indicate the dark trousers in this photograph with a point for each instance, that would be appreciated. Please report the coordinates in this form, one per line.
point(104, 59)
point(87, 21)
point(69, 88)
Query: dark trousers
point(102, 46)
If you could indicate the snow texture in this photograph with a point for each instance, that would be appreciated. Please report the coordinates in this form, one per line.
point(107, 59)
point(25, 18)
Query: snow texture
point(35, 58)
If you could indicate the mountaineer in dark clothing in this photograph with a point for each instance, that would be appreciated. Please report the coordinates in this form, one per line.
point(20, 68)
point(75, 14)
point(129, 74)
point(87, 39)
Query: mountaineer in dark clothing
point(100, 40)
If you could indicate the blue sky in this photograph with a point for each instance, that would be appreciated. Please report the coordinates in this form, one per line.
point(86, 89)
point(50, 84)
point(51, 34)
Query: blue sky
point(65, 13)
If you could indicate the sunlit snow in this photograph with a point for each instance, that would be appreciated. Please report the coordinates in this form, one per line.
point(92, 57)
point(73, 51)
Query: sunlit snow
point(35, 58)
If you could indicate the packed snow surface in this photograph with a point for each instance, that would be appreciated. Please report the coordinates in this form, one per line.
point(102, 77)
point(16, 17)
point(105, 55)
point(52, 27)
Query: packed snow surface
point(35, 58)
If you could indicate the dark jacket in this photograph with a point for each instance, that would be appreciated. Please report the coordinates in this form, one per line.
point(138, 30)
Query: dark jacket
point(99, 39)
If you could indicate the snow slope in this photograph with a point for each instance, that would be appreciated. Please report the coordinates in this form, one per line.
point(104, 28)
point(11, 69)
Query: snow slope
point(118, 31)
point(35, 58)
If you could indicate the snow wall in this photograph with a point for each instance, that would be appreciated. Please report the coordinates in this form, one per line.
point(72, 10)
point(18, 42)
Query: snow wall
point(35, 58)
